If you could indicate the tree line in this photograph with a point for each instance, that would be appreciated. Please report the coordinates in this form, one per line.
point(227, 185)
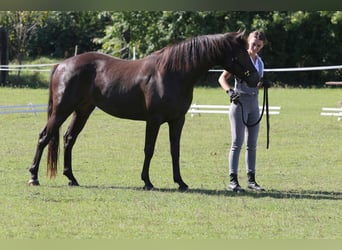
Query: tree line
point(295, 38)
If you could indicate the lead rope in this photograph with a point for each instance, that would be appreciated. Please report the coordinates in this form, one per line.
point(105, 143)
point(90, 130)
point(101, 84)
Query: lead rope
point(267, 119)
point(264, 103)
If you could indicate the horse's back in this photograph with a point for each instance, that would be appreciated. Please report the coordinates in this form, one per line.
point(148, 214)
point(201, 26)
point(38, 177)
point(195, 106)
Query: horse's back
point(110, 83)
point(123, 88)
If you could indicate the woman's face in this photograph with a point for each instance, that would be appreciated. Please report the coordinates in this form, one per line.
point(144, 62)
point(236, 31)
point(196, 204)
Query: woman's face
point(255, 45)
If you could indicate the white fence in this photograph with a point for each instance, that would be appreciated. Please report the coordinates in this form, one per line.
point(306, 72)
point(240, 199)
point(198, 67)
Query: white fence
point(38, 67)
point(332, 112)
point(223, 109)
point(28, 108)
point(293, 69)
point(194, 109)
point(27, 67)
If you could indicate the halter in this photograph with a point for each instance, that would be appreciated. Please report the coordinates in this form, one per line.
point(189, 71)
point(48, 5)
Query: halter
point(246, 73)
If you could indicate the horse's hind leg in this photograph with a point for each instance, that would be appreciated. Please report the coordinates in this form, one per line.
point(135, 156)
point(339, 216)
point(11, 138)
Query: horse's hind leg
point(42, 142)
point(50, 130)
point(79, 119)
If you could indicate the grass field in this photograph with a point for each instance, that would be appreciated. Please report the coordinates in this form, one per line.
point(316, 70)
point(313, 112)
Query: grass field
point(301, 173)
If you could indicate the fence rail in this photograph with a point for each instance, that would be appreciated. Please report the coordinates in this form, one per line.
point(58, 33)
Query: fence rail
point(223, 109)
point(332, 112)
point(27, 67)
point(194, 109)
point(28, 108)
point(30, 67)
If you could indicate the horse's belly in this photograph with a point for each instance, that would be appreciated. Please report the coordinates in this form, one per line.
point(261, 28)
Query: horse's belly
point(125, 112)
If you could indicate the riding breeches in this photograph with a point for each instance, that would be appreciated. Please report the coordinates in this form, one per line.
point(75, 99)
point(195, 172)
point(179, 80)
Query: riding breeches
point(239, 131)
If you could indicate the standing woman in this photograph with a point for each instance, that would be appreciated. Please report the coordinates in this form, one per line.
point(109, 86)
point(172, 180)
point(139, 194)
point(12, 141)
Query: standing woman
point(248, 97)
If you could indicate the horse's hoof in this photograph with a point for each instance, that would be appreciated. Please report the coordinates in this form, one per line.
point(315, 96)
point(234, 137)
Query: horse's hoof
point(148, 187)
point(33, 182)
point(183, 188)
point(73, 184)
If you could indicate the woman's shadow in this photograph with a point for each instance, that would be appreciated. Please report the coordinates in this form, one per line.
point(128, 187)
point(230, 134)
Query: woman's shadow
point(276, 194)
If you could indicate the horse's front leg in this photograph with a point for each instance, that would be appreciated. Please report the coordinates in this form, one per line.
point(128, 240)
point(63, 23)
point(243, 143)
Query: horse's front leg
point(151, 133)
point(175, 131)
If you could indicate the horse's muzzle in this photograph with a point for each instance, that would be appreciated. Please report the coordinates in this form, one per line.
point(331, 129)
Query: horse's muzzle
point(252, 79)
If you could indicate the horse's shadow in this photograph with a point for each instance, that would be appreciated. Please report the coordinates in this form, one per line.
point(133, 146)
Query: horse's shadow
point(271, 193)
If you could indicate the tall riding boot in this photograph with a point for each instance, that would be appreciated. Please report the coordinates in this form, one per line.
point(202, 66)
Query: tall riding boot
point(234, 184)
point(252, 183)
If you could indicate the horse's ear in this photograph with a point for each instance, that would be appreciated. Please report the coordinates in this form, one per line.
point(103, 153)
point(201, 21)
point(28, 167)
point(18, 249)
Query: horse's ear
point(241, 39)
point(240, 34)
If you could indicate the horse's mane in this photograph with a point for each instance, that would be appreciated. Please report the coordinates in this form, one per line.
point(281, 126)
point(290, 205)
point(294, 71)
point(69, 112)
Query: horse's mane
point(193, 51)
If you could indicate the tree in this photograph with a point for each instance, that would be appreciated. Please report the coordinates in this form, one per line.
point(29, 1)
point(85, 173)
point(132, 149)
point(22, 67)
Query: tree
point(296, 38)
point(21, 26)
point(152, 30)
point(62, 31)
point(141, 27)
point(3, 54)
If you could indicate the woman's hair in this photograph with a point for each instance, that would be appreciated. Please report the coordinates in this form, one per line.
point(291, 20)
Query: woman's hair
point(259, 35)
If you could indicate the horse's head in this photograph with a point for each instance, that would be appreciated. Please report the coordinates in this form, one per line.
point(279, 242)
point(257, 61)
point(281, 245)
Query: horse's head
point(238, 62)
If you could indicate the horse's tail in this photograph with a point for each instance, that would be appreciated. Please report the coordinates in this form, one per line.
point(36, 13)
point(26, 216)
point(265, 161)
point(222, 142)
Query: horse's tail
point(53, 148)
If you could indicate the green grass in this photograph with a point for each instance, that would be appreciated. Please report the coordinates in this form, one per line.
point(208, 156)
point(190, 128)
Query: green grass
point(301, 173)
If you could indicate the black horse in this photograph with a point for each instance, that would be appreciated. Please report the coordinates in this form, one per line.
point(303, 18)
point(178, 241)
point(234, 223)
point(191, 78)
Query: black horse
point(155, 89)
